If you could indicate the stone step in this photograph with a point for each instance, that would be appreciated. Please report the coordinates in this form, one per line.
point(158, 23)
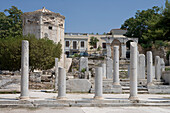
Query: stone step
point(139, 92)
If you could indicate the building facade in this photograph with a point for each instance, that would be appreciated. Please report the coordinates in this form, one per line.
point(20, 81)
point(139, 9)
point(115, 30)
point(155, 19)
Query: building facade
point(79, 42)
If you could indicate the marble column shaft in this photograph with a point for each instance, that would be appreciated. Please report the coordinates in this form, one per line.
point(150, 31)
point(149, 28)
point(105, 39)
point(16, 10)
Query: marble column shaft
point(56, 74)
point(133, 71)
point(104, 70)
point(149, 68)
point(98, 83)
point(25, 70)
point(108, 50)
point(61, 83)
point(116, 66)
point(141, 70)
point(157, 68)
point(123, 48)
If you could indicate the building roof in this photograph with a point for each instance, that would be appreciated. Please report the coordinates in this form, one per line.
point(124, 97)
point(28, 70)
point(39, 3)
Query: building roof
point(118, 32)
point(43, 10)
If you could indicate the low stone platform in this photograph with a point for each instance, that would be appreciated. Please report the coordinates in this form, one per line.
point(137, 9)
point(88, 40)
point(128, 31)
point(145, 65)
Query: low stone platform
point(43, 98)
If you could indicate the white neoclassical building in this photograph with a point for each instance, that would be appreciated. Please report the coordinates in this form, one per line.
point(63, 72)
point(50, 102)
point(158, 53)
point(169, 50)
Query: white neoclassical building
point(79, 42)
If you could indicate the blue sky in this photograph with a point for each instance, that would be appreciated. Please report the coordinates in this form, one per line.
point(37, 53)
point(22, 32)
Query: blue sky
point(87, 16)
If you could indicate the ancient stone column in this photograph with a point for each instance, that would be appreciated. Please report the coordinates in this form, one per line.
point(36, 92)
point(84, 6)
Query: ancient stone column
point(56, 74)
point(108, 48)
point(98, 83)
point(157, 68)
point(133, 71)
point(153, 72)
point(25, 70)
point(162, 63)
point(128, 74)
point(149, 68)
point(169, 59)
point(116, 66)
point(123, 46)
point(104, 70)
point(141, 70)
point(109, 68)
point(61, 83)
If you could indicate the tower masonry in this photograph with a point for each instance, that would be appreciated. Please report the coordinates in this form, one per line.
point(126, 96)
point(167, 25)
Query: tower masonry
point(45, 23)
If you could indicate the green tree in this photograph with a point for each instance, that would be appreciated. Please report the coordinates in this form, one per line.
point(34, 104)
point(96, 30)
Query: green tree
point(142, 23)
point(10, 25)
point(93, 42)
point(150, 25)
point(42, 53)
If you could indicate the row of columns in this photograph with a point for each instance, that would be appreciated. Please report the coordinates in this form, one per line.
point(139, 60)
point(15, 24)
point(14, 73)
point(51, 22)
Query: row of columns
point(61, 73)
point(60, 77)
point(153, 71)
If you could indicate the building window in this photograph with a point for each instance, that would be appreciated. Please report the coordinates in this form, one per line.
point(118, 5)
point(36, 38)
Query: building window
point(104, 45)
point(67, 53)
point(95, 46)
point(74, 44)
point(82, 44)
point(50, 27)
point(67, 44)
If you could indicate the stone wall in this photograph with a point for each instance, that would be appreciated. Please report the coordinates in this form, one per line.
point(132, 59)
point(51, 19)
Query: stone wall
point(166, 76)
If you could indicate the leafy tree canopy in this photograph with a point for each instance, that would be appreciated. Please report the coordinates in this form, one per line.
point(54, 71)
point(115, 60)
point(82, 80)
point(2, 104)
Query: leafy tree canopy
point(42, 53)
point(149, 25)
point(93, 42)
point(10, 24)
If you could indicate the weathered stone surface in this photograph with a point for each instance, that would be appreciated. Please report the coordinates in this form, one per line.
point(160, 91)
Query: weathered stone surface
point(35, 77)
point(157, 68)
point(78, 85)
point(116, 66)
point(56, 75)
point(166, 76)
point(25, 70)
point(153, 72)
point(61, 83)
point(159, 89)
point(109, 68)
point(149, 67)
point(103, 70)
point(128, 75)
point(141, 70)
point(133, 71)
point(98, 83)
point(83, 63)
point(169, 59)
point(108, 50)
point(162, 63)
point(68, 62)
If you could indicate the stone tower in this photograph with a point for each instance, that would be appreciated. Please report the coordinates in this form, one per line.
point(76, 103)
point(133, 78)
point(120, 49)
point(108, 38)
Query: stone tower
point(45, 23)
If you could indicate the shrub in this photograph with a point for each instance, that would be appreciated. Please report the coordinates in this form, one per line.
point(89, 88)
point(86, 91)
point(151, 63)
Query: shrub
point(42, 53)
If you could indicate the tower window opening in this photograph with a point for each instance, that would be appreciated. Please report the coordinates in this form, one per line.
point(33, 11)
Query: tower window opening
point(50, 27)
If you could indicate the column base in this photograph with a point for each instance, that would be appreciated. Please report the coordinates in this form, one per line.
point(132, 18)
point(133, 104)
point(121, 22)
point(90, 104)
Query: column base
point(98, 97)
point(150, 84)
point(133, 98)
point(62, 98)
point(24, 98)
point(116, 84)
